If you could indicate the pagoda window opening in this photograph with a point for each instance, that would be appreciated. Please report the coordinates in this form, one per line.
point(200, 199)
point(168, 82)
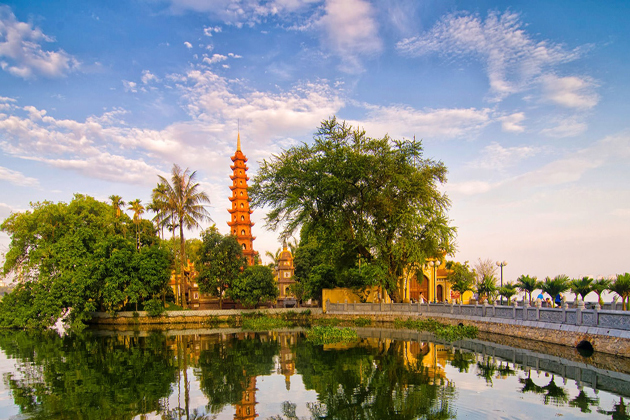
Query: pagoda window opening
point(242, 205)
point(242, 217)
point(243, 232)
point(244, 246)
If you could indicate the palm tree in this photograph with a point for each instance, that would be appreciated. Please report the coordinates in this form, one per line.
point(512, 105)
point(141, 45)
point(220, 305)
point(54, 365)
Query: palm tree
point(507, 291)
point(462, 285)
point(581, 287)
point(527, 284)
point(487, 287)
point(183, 207)
point(275, 257)
point(621, 286)
point(117, 203)
point(159, 206)
point(599, 286)
point(138, 210)
point(555, 286)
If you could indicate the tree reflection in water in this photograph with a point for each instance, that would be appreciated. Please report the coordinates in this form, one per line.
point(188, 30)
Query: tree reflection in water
point(126, 376)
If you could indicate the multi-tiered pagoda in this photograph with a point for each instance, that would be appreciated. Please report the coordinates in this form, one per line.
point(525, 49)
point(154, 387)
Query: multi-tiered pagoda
point(240, 222)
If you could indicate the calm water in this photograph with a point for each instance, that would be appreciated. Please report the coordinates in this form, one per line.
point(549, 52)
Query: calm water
point(280, 375)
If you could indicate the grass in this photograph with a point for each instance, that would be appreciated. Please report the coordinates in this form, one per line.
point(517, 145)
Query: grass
point(329, 335)
point(444, 331)
point(331, 322)
point(261, 322)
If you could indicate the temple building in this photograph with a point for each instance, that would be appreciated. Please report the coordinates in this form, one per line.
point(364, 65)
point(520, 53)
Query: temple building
point(285, 272)
point(240, 222)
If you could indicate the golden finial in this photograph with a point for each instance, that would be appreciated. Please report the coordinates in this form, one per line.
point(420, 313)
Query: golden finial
point(238, 142)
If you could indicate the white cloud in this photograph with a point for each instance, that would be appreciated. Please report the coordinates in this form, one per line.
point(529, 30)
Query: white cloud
point(148, 77)
point(427, 123)
point(20, 46)
point(351, 31)
point(216, 58)
point(211, 29)
point(130, 86)
point(512, 123)
point(188, 44)
point(565, 127)
point(496, 157)
point(570, 92)
point(17, 178)
point(513, 59)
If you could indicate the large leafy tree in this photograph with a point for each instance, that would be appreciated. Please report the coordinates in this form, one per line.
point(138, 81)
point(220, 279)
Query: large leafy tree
point(379, 199)
point(461, 277)
point(220, 262)
point(253, 286)
point(182, 205)
point(73, 256)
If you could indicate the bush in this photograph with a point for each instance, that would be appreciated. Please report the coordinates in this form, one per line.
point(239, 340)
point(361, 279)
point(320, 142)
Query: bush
point(332, 322)
point(362, 322)
point(444, 331)
point(263, 323)
point(154, 307)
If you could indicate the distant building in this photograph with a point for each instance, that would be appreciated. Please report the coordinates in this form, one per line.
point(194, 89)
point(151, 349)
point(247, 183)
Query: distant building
point(285, 272)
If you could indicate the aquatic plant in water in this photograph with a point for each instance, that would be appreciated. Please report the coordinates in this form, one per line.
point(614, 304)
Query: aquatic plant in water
point(328, 335)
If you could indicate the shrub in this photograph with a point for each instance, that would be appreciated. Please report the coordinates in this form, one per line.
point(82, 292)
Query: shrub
point(329, 335)
point(444, 331)
point(362, 322)
point(154, 307)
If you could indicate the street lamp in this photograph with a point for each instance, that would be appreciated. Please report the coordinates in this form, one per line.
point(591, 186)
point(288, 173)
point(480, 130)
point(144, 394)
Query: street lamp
point(501, 264)
point(434, 265)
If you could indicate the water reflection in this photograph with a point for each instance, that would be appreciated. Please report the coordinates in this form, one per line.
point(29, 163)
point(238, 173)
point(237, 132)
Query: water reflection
point(280, 375)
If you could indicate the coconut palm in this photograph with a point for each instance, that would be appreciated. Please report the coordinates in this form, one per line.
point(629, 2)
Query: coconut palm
point(599, 286)
point(183, 207)
point(621, 286)
point(487, 287)
point(159, 206)
point(527, 284)
point(555, 286)
point(581, 287)
point(117, 203)
point(275, 257)
point(462, 285)
point(138, 210)
point(508, 291)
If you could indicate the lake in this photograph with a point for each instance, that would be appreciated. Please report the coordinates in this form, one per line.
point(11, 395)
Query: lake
point(231, 374)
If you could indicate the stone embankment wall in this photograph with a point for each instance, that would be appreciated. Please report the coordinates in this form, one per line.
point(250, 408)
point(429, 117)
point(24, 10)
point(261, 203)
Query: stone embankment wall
point(197, 318)
point(606, 331)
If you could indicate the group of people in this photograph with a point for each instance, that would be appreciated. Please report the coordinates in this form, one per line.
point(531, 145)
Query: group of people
point(547, 303)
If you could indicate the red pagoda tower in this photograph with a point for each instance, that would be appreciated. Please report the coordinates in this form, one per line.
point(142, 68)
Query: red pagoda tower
point(240, 222)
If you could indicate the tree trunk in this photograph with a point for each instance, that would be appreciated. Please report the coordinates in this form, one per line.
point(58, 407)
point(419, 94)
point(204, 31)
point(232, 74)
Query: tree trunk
point(182, 251)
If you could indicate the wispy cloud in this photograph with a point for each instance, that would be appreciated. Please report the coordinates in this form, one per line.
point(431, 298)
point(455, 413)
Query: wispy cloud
point(17, 178)
point(512, 57)
point(496, 157)
point(570, 92)
point(21, 52)
point(565, 127)
point(512, 123)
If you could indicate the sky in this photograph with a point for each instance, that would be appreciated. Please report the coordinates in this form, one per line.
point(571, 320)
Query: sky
point(526, 102)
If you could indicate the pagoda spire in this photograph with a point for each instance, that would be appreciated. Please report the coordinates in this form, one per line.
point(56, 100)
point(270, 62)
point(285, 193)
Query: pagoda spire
point(240, 222)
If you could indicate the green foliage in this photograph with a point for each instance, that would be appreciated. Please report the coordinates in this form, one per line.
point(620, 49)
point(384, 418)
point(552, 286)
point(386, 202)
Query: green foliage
point(369, 201)
point(487, 288)
point(264, 323)
point(581, 287)
point(444, 331)
point(362, 322)
point(329, 335)
point(331, 322)
point(219, 264)
point(556, 285)
point(253, 286)
point(621, 286)
point(528, 284)
point(78, 255)
point(600, 286)
point(461, 276)
point(298, 290)
point(508, 291)
point(154, 307)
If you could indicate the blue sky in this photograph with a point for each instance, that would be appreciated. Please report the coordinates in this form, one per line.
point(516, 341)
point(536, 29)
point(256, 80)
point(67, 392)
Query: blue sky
point(525, 102)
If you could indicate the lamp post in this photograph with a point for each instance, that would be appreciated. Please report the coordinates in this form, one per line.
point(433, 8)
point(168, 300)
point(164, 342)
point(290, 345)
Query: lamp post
point(434, 265)
point(501, 264)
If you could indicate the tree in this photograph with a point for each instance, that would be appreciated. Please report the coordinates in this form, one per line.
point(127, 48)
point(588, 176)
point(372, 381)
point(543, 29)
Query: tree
point(377, 198)
point(461, 277)
point(138, 210)
point(487, 288)
point(508, 291)
point(117, 203)
point(183, 207)
point(581, 287)
point(599, 286)
point(555, 286)
point(621, 286)
point(527, 284)
point(253, 286)
point(484, 268)
point(220, 263)
point(298, 290)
